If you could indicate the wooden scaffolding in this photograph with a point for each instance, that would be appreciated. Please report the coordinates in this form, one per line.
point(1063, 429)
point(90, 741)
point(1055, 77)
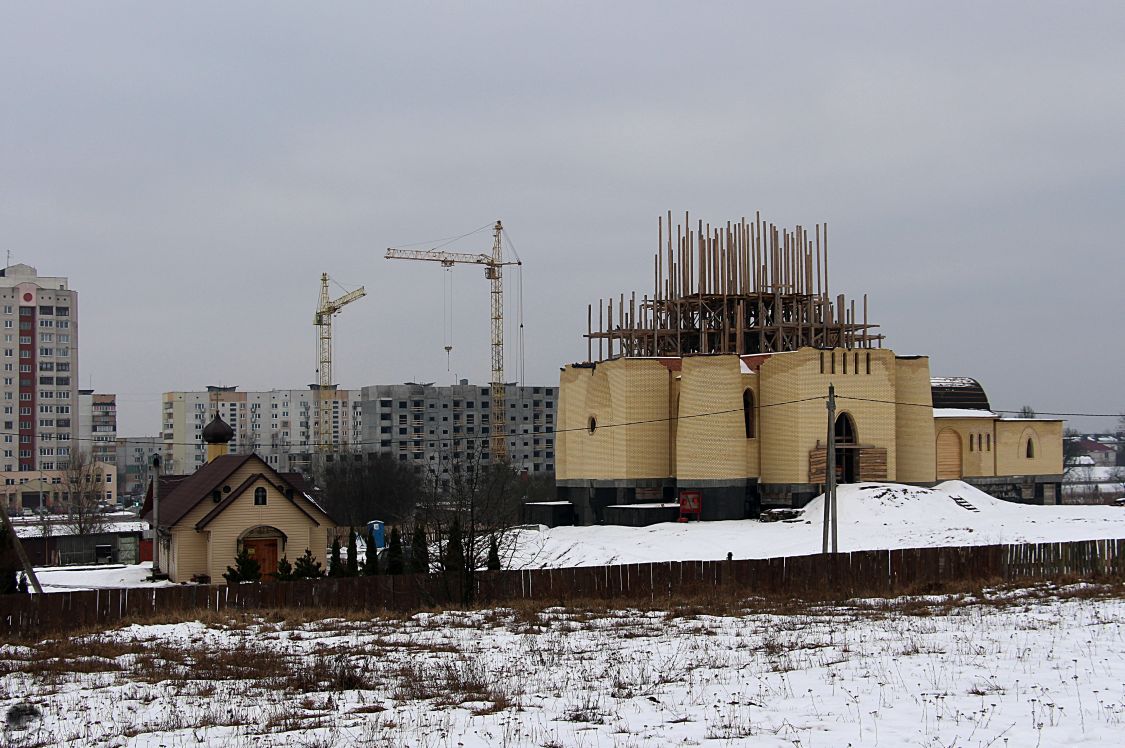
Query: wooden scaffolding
point(748, 287)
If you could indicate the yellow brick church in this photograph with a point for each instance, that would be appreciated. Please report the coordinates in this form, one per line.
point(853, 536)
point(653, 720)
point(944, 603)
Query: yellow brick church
point(717, 382)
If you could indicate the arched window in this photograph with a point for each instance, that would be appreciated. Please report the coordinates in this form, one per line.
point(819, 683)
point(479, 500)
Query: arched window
point(845, 429)
point(748, 415)
point(1030, 448)
point(592, 424)
point(259, 497)
point(988, 441)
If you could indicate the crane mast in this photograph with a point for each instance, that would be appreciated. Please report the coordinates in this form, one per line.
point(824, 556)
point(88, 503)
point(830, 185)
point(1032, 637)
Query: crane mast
point(493, 271)
point(326, 309)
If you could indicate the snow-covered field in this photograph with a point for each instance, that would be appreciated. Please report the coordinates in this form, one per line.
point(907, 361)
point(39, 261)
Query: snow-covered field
point(871, 516)
point(1038, 668)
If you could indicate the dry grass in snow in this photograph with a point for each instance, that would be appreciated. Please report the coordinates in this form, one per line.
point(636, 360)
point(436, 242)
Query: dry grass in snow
point(1005, 668)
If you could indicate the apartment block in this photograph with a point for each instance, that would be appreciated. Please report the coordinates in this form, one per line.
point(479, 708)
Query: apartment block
point(278, 425)
point(134, 456)
point(39, 384)
point(97, 426)
point(46, 491)
point(432, 427)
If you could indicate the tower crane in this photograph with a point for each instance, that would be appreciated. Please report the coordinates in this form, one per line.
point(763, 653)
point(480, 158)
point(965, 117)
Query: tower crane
point(326, 309)
point(493, 266)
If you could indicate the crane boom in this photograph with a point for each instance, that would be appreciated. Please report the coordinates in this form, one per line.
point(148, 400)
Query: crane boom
point(326, 309)
point(493, 271)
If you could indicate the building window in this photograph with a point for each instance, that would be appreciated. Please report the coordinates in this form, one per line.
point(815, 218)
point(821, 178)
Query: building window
point(1030, 451)
point(259, 497)
point(592, 424)
point(988, 441)
point(748, 413)
point(869, 362)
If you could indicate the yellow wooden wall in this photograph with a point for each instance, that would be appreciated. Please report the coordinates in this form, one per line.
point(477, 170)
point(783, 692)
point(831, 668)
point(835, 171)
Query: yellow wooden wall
point(793, 430)
point(914, 425)
point(710, 433)
point(212, 550)
point(1011, 438)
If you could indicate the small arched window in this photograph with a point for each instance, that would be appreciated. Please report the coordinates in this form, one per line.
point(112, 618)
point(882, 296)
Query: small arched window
point(592, 424)
point(988, 441)
point(748, 414)
point(1030, 448)
point(259, 497)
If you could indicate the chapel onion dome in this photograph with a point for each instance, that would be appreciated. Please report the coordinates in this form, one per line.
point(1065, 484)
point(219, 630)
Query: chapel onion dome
point(217, 432)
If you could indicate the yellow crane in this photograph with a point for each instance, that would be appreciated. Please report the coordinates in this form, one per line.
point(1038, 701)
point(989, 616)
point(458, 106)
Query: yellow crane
point(326, 309)
point(493, 271)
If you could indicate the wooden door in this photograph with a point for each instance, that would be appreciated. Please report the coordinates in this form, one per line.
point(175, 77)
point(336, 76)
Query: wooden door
point(264, 551)
point(948, 455)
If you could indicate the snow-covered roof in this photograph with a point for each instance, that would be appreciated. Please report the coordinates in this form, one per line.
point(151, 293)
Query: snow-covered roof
point(953, 381)
point(962, 413)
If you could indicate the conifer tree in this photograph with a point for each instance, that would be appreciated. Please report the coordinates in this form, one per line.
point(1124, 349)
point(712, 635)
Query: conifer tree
point(335, 567)
point(307, 567)
point(394, 553)
point(454, 560)
point(284, 570)
point(493, 555)
point(371, 560)
point(353, 554)
point(245, 569)
point(419, 551)
point(9, 564)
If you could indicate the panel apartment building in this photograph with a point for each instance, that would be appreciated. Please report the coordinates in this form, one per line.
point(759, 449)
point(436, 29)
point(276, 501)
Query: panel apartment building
point(276, 424)
point(97, 425)
point(432, 427)
point(39, 390)
point(422, 424)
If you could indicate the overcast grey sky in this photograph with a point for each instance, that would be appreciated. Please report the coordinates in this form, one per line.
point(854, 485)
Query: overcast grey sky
point(194, 169)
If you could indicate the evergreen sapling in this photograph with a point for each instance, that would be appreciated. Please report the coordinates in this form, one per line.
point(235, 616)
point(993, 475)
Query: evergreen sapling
point(353, 554)
point(394, 553)
point(335, 567)
point(419, 551)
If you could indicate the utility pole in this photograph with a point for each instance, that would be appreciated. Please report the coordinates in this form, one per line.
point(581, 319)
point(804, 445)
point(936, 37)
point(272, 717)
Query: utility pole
point(155, 515)
point(7, 527)
point(830, 475)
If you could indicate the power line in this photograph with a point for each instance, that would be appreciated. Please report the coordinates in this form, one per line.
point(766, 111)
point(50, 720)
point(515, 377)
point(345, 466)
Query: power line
point(994, 410)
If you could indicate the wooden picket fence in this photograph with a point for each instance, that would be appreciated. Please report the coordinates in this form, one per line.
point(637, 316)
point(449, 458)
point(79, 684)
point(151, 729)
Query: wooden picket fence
point(821, 576)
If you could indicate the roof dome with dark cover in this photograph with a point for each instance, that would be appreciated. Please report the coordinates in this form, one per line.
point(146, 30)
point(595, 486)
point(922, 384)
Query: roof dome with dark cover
point(958, 392)
point(217, 432)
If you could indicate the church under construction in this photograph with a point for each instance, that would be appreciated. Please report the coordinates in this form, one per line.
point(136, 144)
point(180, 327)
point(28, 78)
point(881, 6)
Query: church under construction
point(715, 384)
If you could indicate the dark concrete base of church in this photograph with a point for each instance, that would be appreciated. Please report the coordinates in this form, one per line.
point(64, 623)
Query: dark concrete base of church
point(549, 513)
point(1022, 489)
point(594, 501)
point(788, 495)
point(640, 515)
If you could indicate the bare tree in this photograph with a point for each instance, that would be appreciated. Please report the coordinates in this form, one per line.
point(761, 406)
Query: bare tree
point(83, 496)
point(482, 501)
point(359, 488)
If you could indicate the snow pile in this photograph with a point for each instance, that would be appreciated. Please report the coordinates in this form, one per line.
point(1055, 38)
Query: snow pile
point(871, 516)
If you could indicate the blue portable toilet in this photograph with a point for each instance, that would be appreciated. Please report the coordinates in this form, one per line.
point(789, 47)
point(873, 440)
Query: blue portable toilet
point(376, 530)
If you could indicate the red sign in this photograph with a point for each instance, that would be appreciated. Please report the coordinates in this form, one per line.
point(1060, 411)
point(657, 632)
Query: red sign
point(691, 502)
